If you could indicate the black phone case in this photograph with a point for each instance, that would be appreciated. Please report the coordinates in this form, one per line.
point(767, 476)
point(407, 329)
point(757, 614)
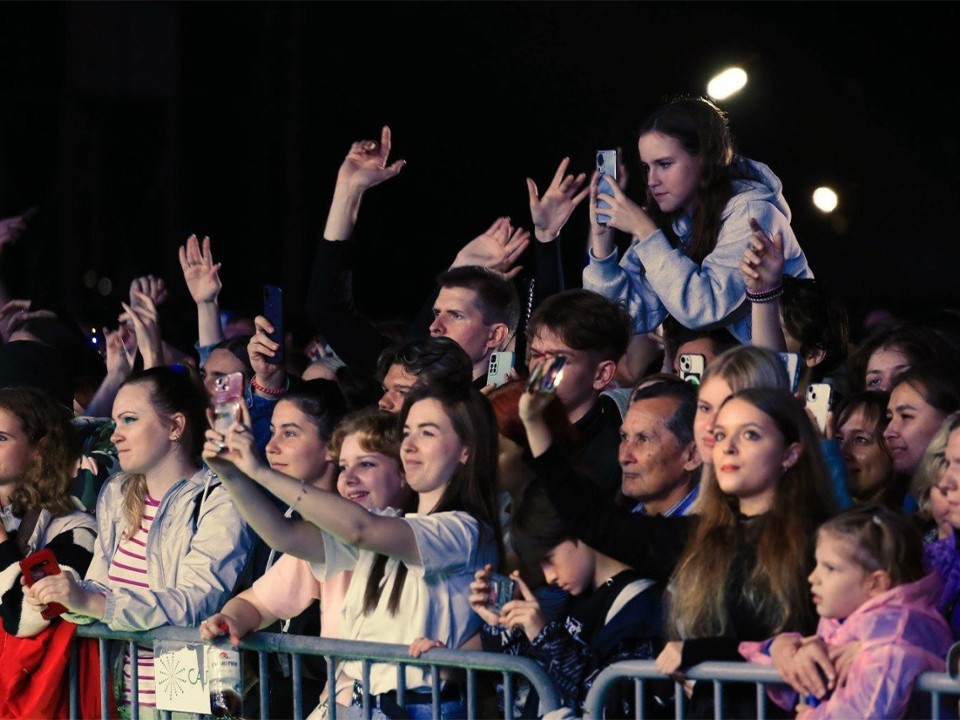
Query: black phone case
point(273, 311)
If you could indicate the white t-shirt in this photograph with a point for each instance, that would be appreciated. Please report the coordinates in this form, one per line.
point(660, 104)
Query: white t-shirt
point(434, 602)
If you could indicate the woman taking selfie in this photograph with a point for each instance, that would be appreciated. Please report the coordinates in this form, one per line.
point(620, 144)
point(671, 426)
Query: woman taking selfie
point(692, 228)
point(412, 566)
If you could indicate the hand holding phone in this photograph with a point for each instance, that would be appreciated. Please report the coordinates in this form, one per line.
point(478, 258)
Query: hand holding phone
point(547, 374)
point(273, 312)
point(607, 167)
point(501, 591)
point(818, 401)
point(692, 366)
point(500, 364)
point(39, 565)
point(227, 396)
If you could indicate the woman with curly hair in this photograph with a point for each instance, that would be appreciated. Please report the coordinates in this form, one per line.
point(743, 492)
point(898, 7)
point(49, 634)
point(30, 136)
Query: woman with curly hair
point(38, 457)
point(39, 451)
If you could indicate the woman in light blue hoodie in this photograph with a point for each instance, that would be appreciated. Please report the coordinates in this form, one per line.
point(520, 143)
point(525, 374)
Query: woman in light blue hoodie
point(693, 227)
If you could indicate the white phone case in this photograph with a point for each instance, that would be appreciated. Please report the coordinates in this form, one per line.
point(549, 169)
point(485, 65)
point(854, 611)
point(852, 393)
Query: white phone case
point(818, 401)
point(692, 366)
point(500, 364)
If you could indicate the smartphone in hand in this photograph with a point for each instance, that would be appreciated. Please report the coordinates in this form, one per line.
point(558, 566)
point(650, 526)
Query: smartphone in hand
point(819, 400)
point(502, 590)
point(37, 566)
point(692, 366)
point(227, 396)
point(607, 167)
point(273, 312)
point(500, 364)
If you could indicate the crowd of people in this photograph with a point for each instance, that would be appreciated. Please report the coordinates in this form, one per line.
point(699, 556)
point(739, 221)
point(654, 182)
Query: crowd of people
point(377, 484)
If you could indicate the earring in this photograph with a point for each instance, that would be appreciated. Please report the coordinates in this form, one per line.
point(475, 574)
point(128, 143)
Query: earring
point(176, 438)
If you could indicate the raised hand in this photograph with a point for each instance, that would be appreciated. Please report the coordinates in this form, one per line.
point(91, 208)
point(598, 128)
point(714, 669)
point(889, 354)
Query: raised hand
point(119, 360)
point(142, 314)
point(624, 213)
point(10, 229)
point(200, 272)
point(259, 349)
point(762, 262)
point(366, 163)
point(234, 453)
point(551, 211)
point(153, 287)
point(497, 248)
point(524, 612)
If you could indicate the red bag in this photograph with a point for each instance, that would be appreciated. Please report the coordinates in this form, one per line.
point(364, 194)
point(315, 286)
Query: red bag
point(34, 674)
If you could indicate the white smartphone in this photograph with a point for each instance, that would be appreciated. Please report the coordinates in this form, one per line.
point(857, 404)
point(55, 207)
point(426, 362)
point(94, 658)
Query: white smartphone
point(692, 366)
point(792, 362)
point(500, 364)
point(607, 166)
point(818, 401)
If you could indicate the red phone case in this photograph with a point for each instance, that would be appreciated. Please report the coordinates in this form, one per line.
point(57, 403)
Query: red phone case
point(39, 565)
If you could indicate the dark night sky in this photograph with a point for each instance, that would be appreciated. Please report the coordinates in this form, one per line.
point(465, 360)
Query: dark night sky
point(134, 124)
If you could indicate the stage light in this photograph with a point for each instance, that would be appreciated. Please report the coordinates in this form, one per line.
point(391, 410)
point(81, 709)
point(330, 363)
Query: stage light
point(825, 199)
point(729, 82)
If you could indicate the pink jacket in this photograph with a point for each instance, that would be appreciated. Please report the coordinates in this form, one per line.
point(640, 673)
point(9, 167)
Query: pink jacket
point(903, 635)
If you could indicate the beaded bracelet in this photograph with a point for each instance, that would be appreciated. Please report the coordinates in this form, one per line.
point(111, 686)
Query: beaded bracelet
point(274, 392)
point(303, 489)
point(765, 296)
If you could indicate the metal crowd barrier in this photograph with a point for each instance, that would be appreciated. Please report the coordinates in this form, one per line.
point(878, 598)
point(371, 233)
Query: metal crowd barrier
point(265, 644)
point(719, 673)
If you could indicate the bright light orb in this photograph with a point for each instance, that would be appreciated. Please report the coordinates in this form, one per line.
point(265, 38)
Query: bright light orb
point(825, 199)
point(730, 81)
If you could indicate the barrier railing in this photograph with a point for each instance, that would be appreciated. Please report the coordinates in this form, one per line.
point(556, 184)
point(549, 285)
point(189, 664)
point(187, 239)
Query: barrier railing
point(264, 644)
point(719, 673)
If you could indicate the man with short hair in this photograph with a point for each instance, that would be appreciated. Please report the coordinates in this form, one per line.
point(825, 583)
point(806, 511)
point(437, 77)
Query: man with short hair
point(658, 453)
point(402, 366)
point(479, 308)
point(592, 333)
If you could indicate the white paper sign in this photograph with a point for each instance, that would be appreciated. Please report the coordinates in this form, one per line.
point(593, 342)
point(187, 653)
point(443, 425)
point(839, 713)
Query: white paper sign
point(180, 677)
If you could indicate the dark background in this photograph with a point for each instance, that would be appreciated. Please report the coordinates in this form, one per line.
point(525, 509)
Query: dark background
point(133, 124)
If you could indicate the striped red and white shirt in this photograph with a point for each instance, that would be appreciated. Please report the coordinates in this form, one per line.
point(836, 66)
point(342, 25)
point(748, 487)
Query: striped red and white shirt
point(129, 568)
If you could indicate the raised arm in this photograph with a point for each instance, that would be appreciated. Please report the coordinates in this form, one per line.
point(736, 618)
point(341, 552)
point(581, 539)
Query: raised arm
point(202, 276)
point(498, 248)
point(364, 167)
point(330, 305)
point(762, 270)
point(119, 365)
point(143, 315)
point(346, 521)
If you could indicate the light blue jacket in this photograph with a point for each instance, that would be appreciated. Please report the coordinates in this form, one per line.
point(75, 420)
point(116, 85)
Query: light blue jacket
point(654, 279)
point(196, 551)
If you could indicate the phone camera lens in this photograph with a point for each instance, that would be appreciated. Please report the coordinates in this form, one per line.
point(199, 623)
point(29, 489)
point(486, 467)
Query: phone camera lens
point(599, 159)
